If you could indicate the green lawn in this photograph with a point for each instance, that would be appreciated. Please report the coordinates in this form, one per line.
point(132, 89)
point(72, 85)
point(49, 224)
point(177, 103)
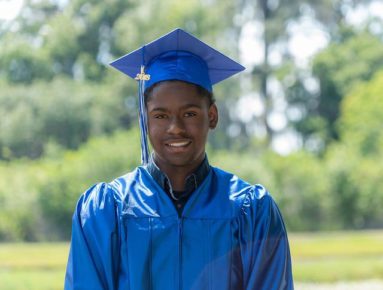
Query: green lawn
point(322, 257)
point(329, 257)
point(33, 266)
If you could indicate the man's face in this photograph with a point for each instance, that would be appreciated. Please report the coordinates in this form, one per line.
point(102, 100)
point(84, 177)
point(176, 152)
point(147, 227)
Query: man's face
point(178, 123)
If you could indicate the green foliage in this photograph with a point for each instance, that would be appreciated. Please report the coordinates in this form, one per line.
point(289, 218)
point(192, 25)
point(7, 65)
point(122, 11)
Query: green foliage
point(56, 54)
point(62, 112)
point(22, 58)
point(21, 63)
point(65, 179)
point(194, 16)
point(54, 184)
point(57, 95)
point(340, 68)
point(303, 191)
point(341, 191)
point(276, 18)
point(70, 38)
point(361, 123)
point(37, 198)
point(297, 182)
point(19, 208)
point(244, 165)
point(356, 161)
point(349, 62)
point(63, 47)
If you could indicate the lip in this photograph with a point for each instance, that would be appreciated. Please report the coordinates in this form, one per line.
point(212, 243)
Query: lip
point(178, 145)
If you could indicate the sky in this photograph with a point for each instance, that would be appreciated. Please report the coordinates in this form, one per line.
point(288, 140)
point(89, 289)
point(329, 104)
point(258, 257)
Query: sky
point(10, 8)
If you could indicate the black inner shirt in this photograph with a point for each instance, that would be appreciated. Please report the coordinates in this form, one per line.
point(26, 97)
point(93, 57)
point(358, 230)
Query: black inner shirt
point(194, 180)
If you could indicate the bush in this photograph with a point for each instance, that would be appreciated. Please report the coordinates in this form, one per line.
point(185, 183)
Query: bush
point(19, 214)
point(299, 184)
point(101, 159)
point(64, 112)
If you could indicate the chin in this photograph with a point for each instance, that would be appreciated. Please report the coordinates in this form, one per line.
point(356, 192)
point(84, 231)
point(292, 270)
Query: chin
point(178, 161)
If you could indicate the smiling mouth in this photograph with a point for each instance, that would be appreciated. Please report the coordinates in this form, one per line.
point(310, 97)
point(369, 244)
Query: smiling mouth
point(178, 144)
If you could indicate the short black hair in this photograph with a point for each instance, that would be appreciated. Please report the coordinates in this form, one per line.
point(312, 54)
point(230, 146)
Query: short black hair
point(200, 90)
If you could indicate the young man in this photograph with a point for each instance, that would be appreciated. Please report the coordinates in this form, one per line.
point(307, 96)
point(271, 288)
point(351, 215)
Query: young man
point(176, 222)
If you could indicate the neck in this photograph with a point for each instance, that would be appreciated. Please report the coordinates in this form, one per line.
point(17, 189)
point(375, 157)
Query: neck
point(178, 181)
point(177, 174)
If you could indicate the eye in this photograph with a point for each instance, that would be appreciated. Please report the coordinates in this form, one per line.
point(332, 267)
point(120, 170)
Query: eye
point(159, 116)
point(190, 114)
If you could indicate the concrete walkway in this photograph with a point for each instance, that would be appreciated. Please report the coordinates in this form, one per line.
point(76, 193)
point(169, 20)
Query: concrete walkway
point(359, 285)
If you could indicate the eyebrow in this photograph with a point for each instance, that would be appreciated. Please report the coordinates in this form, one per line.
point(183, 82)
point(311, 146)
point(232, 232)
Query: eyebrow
point(184, 107)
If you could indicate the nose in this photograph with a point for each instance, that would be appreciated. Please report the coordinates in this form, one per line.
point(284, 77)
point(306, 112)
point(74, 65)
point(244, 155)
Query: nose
point(176, 126)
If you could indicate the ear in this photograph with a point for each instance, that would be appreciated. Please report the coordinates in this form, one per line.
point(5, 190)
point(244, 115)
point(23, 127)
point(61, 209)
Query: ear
point(213, 116)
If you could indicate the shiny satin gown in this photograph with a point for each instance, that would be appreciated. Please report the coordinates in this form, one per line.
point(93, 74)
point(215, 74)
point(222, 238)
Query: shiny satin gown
point(127, 235)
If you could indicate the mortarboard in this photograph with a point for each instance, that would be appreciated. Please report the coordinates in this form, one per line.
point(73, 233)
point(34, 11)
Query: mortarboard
point(177, 55)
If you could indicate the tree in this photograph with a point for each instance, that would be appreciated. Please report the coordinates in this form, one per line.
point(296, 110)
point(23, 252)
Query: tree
point(22, 64)
point(75, 40)
point(67, 35)
point(355, 161)
point(276, 20)
point(64, 179)
point(62, 112)
point(360, 124)
point(22, 59)
point(338, 69)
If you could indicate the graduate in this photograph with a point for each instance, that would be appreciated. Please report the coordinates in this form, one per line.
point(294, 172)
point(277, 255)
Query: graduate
point(177, 222)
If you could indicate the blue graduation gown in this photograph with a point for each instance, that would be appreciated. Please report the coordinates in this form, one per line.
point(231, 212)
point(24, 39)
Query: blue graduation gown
point(127, 235)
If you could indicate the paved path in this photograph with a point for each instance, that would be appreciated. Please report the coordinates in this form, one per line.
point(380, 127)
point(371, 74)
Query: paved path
point(362, 285)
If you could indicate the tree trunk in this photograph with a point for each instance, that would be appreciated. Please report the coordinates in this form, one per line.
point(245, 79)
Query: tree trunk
point(266, 70)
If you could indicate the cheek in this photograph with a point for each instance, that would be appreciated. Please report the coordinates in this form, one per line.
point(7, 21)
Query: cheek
point(154, 131)
point(200, 129)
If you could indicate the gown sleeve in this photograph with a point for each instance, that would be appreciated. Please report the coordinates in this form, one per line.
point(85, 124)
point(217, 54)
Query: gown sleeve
point(93, 256)
point(263, 243)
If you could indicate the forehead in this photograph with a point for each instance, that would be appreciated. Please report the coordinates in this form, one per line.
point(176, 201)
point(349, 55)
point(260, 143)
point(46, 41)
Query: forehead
point(174, 86)
point(174, 90)
point(175, 95)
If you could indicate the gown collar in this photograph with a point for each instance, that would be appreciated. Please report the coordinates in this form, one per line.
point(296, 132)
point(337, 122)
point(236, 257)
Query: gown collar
point(191, 182)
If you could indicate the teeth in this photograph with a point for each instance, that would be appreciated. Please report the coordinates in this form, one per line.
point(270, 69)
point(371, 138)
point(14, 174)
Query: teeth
point(179, 144)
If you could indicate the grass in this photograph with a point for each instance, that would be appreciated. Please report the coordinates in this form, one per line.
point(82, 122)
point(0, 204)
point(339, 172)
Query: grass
point(34, 266)
point(330, 257)
point(319, 257)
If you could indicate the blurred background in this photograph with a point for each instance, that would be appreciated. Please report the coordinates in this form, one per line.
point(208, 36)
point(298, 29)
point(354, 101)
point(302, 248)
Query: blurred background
point(305, 119)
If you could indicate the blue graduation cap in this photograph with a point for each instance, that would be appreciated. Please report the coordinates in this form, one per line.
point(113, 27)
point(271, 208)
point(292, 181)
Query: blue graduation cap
point(177, 55)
